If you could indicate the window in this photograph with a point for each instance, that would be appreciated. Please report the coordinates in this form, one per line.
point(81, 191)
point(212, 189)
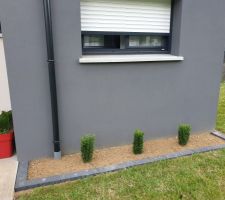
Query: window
point(125, 26)
point(146, 41)
point(113, 44)
point(93, 41)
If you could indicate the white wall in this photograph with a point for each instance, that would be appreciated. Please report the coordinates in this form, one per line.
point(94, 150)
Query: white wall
point(4, 87)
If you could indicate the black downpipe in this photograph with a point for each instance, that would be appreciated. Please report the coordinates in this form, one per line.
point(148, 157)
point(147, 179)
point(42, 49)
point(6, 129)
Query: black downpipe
point(52, 79)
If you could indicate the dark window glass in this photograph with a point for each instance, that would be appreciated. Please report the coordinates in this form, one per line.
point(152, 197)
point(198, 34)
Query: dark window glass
point(112, 41)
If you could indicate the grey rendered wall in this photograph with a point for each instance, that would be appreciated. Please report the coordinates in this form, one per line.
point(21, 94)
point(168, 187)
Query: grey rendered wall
point(110, 100)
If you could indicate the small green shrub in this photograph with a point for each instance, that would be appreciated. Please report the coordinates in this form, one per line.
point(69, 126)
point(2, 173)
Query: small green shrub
point(184, 133)
point(6, 122)
point(138, 142)
point(87, 147)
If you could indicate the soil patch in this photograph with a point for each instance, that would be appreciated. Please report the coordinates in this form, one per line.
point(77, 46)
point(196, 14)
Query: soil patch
point(115, 155)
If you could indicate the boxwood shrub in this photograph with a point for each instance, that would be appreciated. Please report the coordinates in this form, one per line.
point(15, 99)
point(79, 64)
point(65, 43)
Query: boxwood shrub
point(87, 147)
point(138, 142)
point(183, 133)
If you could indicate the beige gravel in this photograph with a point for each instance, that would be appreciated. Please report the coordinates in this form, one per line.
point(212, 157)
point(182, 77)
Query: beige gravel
point(104, 157)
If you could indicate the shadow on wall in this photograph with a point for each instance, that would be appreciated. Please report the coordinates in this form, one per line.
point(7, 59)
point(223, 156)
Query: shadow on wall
point(223, 78)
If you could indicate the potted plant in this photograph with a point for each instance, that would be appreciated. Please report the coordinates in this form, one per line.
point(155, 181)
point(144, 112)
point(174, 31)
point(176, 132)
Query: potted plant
point(6, 135)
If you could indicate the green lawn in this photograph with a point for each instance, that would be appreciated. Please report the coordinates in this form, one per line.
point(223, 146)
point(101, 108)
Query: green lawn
point(198, 177)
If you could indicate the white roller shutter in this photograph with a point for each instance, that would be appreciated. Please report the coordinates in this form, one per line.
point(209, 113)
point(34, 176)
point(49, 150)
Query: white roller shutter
point(151, 16)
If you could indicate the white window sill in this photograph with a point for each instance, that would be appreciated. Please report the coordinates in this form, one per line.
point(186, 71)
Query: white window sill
point(1, 35)
point(129, 58)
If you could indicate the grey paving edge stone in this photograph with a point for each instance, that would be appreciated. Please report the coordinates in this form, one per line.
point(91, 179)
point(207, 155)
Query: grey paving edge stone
point(218, 134)
point(22, 171)
point(23, 184)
